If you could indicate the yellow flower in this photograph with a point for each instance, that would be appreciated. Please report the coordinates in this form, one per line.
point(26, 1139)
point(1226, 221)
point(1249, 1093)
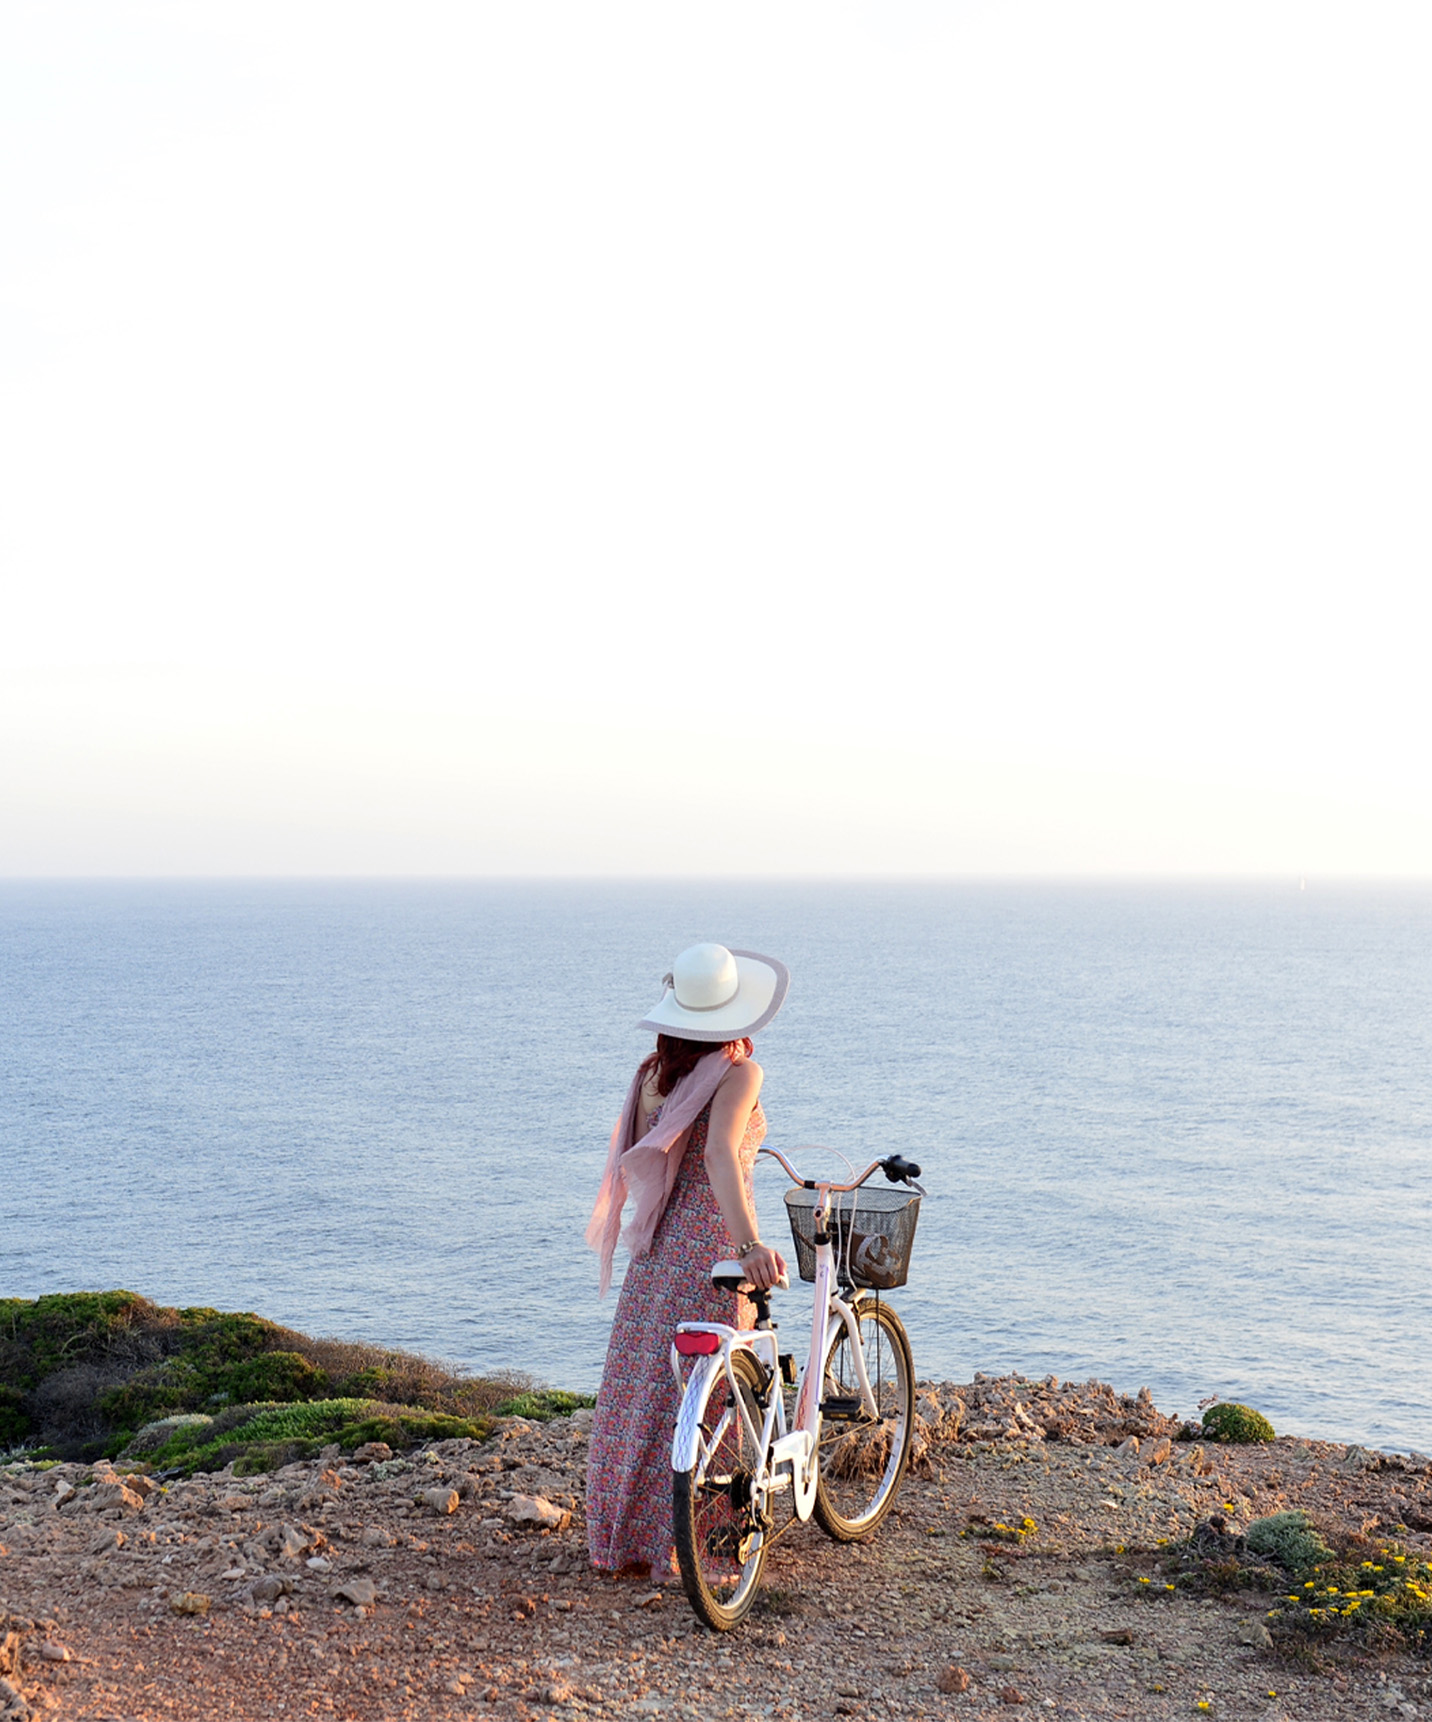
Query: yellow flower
point(1145, 1581)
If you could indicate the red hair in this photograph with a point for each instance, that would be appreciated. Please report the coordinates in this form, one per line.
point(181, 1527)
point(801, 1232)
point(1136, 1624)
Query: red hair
point(675, 1058)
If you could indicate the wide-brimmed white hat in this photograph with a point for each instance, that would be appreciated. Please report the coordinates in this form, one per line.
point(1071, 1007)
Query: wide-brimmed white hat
point(718, 995)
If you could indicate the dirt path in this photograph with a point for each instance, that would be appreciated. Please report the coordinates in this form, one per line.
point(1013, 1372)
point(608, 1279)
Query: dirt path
point(352, 1591)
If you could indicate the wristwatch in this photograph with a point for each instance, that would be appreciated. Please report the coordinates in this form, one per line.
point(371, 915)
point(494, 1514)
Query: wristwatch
point(746, 1249)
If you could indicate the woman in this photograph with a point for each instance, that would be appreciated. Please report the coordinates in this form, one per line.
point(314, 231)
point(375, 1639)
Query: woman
point(683, 1151)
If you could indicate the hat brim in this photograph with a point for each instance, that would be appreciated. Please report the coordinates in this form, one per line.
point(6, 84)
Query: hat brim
point(761, 984)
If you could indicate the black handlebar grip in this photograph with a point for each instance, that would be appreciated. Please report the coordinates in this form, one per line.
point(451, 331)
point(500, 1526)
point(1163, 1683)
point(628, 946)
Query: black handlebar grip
point(899, 1170)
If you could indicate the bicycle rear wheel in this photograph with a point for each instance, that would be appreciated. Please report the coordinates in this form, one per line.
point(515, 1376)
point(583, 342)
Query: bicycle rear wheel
point(720, 1535)
point(862, 1459)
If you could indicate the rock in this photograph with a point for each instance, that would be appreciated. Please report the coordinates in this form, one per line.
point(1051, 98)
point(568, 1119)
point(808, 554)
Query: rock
point(652, 1599)
point(372, 1451)
point(1160, 1452)
point(1011, 1695)
point(1000, 1663)
point(442, 1500)
point(12, 1703)
point(142, 1486)
point(270, 1588)
point(1253, 1632)
point(292, 1543)
point(319, 1564)
point(954, 1679)
point(1361, 1459)
point(361, 1592)
point(10, 1643)
point(107, 1540)
point(104, 1497)
point(1126, 1449)
point(535, 1510)
point(190, 1602)
point(1117, 1635)
point(848, 1692)
point(63, 1492)
point(52, 1652)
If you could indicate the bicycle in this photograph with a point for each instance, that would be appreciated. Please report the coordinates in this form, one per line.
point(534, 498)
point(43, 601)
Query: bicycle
point(841, 1453)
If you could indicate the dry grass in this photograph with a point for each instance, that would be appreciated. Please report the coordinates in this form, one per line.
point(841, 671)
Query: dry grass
point(403, 1377)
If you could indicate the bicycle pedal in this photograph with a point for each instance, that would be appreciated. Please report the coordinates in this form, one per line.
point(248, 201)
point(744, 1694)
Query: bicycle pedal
point(841, 1410)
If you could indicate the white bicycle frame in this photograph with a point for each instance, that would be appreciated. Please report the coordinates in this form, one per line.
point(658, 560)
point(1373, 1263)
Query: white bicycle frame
point(789, 1458)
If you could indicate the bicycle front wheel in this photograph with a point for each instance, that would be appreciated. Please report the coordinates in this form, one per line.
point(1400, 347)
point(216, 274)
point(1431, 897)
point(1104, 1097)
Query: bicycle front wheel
point(720, 1534)
point(862, 1459)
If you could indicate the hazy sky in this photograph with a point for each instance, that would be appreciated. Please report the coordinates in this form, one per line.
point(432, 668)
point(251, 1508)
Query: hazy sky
point(982, 436)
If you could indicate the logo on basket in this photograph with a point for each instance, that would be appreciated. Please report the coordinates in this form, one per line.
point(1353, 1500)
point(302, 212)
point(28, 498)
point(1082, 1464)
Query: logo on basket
point(873, 1260)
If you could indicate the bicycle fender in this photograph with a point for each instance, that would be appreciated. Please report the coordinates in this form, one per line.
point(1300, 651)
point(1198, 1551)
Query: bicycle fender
point(684, 1445)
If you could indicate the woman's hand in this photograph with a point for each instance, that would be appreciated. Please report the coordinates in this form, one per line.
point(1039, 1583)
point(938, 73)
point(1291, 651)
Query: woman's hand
point(764, 1266)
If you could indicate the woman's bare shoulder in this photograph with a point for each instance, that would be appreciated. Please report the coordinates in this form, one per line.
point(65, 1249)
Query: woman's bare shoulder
point(743, 1081)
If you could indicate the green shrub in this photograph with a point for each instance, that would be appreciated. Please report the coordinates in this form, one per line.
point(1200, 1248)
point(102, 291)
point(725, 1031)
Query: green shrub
point(1228, 1422)
point(82, 1374)
point(256, 1438)
point(15, 1423)
point(276, 1376)
point(1289, 1539)
point(154, 1435)
point(244, 1431)
point(66, 1327)
point(401, 1427)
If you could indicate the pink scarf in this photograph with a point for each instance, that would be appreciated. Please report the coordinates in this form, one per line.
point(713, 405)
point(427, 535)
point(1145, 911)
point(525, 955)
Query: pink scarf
point(647, 1169)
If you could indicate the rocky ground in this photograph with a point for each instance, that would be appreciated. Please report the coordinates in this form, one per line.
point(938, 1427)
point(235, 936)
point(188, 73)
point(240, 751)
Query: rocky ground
point(452, 1583)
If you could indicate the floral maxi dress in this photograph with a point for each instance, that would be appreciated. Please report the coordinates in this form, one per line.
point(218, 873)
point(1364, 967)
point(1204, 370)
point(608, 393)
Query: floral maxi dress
point(629, 1461)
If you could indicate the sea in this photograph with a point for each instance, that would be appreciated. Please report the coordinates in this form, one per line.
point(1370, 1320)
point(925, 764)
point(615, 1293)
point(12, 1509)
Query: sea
point(1175, 1135)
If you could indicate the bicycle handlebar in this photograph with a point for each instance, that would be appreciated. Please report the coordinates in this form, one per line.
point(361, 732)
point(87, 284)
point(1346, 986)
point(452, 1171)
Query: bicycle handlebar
point(897, 1169)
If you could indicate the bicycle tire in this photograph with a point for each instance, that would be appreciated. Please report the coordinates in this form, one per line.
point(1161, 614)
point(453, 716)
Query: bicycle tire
point(862, 1462)
point(720, 1541)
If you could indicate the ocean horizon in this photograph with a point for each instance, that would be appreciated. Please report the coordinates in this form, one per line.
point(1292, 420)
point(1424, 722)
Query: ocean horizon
point(1175, 1134)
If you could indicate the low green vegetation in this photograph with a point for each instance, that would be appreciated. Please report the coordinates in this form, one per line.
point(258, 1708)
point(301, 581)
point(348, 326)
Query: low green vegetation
point(255, 1438)
point(1384, 1598)
point(91, 1374)
point(1228, 1422)
point(1290, 1539)
point(1322, 1584)
point(542, 1404)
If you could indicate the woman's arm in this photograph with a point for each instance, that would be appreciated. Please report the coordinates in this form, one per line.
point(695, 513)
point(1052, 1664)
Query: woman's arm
point(731, 1110)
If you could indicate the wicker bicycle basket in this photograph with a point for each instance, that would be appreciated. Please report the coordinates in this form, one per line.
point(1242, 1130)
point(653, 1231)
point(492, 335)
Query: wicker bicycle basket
point(872, 1241)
